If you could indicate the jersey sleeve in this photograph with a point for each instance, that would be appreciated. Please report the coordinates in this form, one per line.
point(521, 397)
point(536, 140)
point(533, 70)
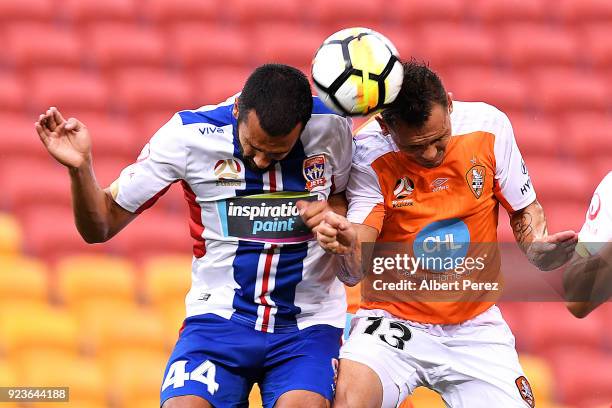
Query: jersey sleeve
point(597, 228)
point(364, 195)
point(341, 159)
point(161, 163)
point(513, 187)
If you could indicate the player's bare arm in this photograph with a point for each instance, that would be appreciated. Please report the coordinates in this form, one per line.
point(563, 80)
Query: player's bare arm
point(546, 252)
point(337, 235)
point(587, 280)
point(97, 216)
point(313, 213)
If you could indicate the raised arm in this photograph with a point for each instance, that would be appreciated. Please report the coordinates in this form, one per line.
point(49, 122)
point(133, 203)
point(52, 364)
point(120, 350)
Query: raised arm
point(546, 252)
point(97, 216)
point(587, 279)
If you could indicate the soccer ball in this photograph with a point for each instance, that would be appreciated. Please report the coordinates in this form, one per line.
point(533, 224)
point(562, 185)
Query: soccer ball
point(357, 71)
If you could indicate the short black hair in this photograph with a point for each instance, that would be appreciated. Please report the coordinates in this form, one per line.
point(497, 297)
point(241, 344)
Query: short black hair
point(281, 97)
point(421, 89)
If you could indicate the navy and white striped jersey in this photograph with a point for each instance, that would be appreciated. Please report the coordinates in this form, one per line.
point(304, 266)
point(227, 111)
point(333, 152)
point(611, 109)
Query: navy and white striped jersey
point(254, 260)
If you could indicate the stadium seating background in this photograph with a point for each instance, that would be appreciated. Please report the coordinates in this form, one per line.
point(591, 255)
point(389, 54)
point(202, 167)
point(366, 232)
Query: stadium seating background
point(102, 319)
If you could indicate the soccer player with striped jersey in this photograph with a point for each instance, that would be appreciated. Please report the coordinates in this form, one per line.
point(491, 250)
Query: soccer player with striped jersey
point(265, 305)
point(429, 173)
point(588, 276)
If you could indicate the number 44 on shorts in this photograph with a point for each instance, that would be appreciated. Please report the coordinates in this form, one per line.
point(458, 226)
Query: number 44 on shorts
point(205, 373)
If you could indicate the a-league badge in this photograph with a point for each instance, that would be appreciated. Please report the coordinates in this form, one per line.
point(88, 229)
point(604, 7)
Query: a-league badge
point(475, 178)
point(314, 171)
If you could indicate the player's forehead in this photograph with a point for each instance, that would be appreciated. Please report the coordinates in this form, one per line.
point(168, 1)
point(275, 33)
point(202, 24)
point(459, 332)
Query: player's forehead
point(259, 139)
point(436, 126)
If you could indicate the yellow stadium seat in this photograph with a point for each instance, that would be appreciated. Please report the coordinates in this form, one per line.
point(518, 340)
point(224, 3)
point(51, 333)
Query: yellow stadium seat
point(22, 280)
point(540, 376)
point(172, 316)
point(167, 278)
point(77, 404)
point(83, 376)
point(423, 398)
point(111, 326)
point(8, 378)
point(255, 397)
point(84, 278)
point(135, 376)
point(145, 403)
point(11, 236)
point(37, 327)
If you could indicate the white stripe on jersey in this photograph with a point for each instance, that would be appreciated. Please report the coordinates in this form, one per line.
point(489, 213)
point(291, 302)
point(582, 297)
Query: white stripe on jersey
point(266, 280)
point(273, 179)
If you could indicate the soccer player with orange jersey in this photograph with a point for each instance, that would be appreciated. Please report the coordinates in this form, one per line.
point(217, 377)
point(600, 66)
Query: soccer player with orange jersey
point(430, 170)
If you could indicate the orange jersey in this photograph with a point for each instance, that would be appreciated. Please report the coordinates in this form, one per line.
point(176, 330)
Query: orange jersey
point(455, 203)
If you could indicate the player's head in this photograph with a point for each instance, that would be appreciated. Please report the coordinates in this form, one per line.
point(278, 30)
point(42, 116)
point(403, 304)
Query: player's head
point(272, 111)
point(419, 118)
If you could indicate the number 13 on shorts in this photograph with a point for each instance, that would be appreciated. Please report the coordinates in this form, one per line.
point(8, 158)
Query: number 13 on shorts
point(394, 333)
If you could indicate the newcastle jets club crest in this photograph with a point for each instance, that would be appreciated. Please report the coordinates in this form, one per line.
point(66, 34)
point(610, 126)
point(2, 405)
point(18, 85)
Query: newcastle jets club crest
point(314, 171)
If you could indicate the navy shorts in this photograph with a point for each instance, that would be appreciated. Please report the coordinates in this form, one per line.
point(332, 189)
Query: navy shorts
point(220, 360)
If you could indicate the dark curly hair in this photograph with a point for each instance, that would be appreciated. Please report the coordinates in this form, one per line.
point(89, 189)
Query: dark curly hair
point(421, 89)
point(280, 96)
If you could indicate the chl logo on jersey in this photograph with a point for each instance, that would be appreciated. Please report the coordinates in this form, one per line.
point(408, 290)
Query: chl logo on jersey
point(314, 171)
point(403, 189)
point(525, 389)
point(475, 178)
point(227, 172)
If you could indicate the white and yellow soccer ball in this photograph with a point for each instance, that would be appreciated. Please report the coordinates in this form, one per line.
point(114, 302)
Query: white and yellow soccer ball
point(357, 71)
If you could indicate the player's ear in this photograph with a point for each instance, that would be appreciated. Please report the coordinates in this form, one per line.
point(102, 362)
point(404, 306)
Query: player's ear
point(383, 124)
point(235, 109)
point(449, 98)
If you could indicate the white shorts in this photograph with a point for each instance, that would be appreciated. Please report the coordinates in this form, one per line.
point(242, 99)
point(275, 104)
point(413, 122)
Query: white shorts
point(472, 364)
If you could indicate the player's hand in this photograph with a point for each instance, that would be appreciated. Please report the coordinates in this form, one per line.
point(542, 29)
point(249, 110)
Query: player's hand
point(336, 234)
point(313, 212)
point(552, 251)
point(67, 141)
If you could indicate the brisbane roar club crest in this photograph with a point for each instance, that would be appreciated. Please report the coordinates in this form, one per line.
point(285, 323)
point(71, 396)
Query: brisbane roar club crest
point(475, 178)
point(525, 390)
point(314, 171)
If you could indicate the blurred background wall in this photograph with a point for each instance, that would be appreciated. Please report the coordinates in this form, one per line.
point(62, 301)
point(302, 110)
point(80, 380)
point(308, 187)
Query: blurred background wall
point(103, 318)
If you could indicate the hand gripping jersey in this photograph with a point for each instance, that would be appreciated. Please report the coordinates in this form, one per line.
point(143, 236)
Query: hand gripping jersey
point(254, 260)
point(450, 205)
point(597, 228)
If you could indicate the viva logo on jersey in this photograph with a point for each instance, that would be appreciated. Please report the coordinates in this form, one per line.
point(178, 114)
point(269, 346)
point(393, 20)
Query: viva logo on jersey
point(272, 217)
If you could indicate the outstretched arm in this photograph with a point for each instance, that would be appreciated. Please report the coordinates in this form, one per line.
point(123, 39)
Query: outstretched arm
point(97, 216)
point(546, 252)
point(587, 280)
